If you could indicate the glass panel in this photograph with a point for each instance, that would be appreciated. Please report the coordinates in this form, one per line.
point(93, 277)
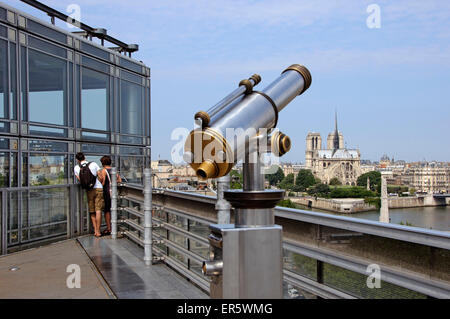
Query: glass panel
point(178, 239)
point(94, 100)
point(182, 258)
point(47, 169)
point(94, 64)
point(47, 146)
point(4, 127)
point(356, 284)
point(23, 82)
point(95, 148)
point(47, 131)
point(47, 206)
point(130, 139)
point(78, 95)
point(200, 229)
point(95, 136)
point(299, 264)
point(4, 143)
point(3, 14)
point(131, 169)
point(48, 88)
point(3, 31)
point(14, 170)
point(94, 51)
point(4, 169)
point(199, 248)
point(13, 71)
point(131, 106)
point(94, 158)
point(71, 95)
point(179, 221)
point(131, 77)
point(130, 65)
point(13, 217)
point(126, 150)
point(24, 171)
point(46, 31)
point(46, 46)
point(3, 79)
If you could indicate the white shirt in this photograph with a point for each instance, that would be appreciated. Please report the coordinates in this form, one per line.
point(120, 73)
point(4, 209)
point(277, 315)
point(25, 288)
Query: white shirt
point(94, 168)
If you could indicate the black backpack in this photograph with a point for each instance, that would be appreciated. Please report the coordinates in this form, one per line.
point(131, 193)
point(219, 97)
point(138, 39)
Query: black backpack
point(87, 179)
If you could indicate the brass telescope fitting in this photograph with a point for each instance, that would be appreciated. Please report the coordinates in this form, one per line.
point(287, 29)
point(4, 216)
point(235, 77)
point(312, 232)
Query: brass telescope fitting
point(304, 72)
point(280, 143)
point(214, 157)
point(206, 118)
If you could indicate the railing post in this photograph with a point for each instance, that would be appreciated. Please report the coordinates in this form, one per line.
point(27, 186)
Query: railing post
point(222, 205)
point(114, 202)
point(148, 256)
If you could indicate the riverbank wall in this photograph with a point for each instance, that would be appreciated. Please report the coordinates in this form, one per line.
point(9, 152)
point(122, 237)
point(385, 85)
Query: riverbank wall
point(355, 205)
point(341, 205)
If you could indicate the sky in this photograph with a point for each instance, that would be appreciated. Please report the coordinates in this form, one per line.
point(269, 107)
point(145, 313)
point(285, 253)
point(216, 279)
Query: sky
point(390, 85)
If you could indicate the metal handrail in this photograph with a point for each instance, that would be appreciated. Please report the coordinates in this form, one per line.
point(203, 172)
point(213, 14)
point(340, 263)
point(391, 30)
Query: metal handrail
point(398, 277)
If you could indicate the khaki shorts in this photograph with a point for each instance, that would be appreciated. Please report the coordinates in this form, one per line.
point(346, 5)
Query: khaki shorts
point(95, 200)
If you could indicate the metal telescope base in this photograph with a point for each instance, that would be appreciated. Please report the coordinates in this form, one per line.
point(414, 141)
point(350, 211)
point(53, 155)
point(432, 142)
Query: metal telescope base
point(246, 257)
point(252, 262)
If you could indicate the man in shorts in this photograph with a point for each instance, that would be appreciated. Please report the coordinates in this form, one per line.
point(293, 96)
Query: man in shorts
point(94, 194)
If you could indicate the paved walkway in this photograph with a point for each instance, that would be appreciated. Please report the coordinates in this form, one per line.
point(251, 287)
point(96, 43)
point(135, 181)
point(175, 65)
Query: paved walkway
point(109, 269)
point(121, 264)
point(42, 273)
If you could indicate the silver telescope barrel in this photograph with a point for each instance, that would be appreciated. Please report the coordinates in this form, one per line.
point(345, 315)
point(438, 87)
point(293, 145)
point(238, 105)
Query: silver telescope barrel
point(248, 115)
point(245, 87)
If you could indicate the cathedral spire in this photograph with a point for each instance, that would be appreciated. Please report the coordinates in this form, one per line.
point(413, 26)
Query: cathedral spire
point(336, 133)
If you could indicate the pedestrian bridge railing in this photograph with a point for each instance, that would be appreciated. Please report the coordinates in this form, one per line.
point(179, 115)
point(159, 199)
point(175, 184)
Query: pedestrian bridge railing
point(325, 255)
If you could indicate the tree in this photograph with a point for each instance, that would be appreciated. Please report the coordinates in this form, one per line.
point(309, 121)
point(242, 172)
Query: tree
point(286, 203)
point(305, 179)
point(236, 180)
point(276, 177)
point(374, 178)
point(287, 183)
point(319, 189)
point(335, 181)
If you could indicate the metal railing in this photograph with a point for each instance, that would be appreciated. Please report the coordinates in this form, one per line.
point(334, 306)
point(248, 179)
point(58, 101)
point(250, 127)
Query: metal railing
point(324, 255)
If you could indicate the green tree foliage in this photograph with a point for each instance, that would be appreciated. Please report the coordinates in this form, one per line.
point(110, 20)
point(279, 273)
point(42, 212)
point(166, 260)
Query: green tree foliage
point(335, 181)
point(321, 190)
point(351, 192)
point(286, 203)
point(375, 180)
point(305, 179)
point(276, 177)
point(287, 183)
point(236, 180)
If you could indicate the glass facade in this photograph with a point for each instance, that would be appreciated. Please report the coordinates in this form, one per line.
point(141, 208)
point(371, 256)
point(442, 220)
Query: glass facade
point(59, 95)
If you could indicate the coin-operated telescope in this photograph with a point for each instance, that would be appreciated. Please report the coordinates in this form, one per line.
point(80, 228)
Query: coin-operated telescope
point(245, 257)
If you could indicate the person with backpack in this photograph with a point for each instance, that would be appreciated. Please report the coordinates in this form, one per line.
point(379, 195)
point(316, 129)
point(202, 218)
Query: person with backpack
point(86, 173)
point(104, 176)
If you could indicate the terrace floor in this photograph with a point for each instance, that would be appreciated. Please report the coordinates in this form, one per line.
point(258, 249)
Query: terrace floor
point(109, 269)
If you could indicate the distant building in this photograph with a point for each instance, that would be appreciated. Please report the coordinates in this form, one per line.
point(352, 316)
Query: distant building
point(335, 161)
point(428, 177)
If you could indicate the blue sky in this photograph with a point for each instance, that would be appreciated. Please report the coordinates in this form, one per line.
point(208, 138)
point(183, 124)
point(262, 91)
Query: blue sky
point(391, 86)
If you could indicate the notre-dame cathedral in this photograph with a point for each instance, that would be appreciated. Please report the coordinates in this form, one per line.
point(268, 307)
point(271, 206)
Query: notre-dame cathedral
point(335, 160)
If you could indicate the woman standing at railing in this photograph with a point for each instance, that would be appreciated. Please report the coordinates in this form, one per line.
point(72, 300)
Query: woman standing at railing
point(104, 177)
